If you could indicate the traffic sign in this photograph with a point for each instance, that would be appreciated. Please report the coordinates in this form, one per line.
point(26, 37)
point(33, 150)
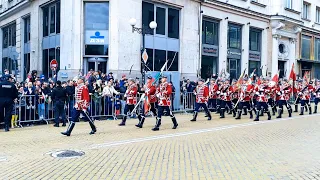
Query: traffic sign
point(145, 56)
point(53, 64)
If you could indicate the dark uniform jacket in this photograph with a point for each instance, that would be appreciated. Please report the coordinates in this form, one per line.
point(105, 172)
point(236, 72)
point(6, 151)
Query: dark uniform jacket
point(59, 94)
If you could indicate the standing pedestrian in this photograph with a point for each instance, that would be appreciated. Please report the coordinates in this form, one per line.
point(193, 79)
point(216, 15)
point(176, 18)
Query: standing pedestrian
point(59, 97)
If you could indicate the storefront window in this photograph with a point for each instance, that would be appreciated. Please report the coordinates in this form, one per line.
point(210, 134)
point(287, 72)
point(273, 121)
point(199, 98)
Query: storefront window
point(281, 67)
point(210, 32)
point(306, 47)
point(147, 14)
point(9, 36)
point(96, 50)
point(234, 68)
point(51, 19)
point(97, 16)
point(48, 55)
point(173, 23)
point(317, 49)
point(157, 58)
point(254, 39)
point(255, 65)
point(27, 29)
point(234, 36)
point(209, 66)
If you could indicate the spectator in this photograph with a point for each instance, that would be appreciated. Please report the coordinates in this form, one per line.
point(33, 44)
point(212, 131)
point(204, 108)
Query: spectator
point(108, 94)
point(110, 76)
point(96, 99)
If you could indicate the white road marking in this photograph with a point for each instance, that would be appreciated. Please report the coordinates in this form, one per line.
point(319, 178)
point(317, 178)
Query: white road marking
point(136, 140)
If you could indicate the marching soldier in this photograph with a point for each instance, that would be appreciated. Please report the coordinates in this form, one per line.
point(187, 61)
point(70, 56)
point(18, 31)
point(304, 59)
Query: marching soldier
point(283, 91)
point(226, 94)
point(150, 91)
point(235, 96)
point(219, 96)
point(317, 96)
point(244, 99)
point(261, 93)
point(131, 95)
point(213, 88)
point(81, 105)
point(298, 87)
point(163, 93)
point(202, 93)
point(271, 95)
point(305, 95)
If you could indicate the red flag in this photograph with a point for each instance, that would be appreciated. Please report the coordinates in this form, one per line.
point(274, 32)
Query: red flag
point(292, 76)
point(276, 78)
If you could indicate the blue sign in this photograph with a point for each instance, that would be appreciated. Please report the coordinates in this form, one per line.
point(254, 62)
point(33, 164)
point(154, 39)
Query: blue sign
point(97, 38)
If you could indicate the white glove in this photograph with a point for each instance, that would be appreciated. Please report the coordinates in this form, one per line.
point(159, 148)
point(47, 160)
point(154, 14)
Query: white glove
point(84, 110)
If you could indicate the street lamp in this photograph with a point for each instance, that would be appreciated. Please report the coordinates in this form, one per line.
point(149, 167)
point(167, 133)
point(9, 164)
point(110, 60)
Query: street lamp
point(143, 30)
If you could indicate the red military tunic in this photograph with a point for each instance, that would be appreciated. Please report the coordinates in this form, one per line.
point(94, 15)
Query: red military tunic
point(285, 93)
point(131, 94)
point(150, 92)
point(202, 93)
point(213, 88)
point(163, 93)
point(261, 92)
point(82, 98)
point(246, 91)
point(226, 93)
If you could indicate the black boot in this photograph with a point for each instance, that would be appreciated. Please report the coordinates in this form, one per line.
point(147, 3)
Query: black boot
point(6, 128)
point(315, 109)
point(158, 123)
point(261, 113)
point(56, 125)
point(175, 123)
point(234, 113)
point(269, 115)
point(306, 109)
point(93, 128)
point(245, 112)
point(195, 115)
point(222, 113)
point(209, 116)
point(302, 110)
point(279, 113)
point(251, 115)
point(290, 112)
point(310, 110)
point(70, 128)
point(141, 121)
point(123, 123)
point(239, 114)
point(274, 110)
point(218, 110)
point(64, 124)
point(295, 108)
point(257, 116)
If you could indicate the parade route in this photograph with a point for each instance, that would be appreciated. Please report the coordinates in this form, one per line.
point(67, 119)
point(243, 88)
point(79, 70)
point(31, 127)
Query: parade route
point(286, 148)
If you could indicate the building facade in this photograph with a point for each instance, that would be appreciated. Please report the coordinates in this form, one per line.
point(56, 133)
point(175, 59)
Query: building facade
point(197, 37)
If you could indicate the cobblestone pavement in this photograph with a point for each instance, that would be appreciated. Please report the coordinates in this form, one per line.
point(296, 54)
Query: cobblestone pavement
point(219, 149)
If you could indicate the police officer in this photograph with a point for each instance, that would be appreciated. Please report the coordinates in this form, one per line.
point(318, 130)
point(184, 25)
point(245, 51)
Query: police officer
point(8, 93)
point(59, 97)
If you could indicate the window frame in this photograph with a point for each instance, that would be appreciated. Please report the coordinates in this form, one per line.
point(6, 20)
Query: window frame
point(27, 29)
point(318, 14)
point(11, 33)
point(240, 42)
point(216, 27)
point(48, 20)
point(259, 38)
point(289, 4)
point(306, 10)
point(310, 50)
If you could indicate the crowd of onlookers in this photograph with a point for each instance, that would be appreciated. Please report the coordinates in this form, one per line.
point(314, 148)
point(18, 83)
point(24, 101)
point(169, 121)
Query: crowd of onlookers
point(106, 95)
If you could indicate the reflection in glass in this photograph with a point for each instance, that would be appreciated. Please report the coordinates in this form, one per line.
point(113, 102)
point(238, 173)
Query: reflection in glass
point(52, 19)
point(306, 46)
point(97, 15)
point(234, 37)
point(159, 59)
point(254, 40)
point(147, 14)
point(173, 23)
point(161, 21)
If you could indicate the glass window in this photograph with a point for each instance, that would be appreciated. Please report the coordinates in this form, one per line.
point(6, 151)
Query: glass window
point(45, 62)
point(173, 23)
point(173, 61)
point(234, 68)
point(317, 49)
point(159, 59)
point(161, 21)
point(254, 40)
point(281, 68)
point(147, 14)
point(26, 29)
point(52, 19)
point(234, 37)
point(318, 15)
point(289, 4)
point(97, 16)
point(58, 58)
point(58, 18)
point(45, 21)
point(306, 47)
point(26, 65)
point(96, 50)
point(150, 59)
point(305, 13)
point(9, 36)
point(210, 33)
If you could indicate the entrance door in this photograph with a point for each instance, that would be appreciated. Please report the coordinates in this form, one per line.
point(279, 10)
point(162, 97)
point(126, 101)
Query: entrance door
point(96, 64)
point(234, 68)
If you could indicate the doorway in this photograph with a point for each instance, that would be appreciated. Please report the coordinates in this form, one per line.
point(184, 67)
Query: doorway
point(96, 64)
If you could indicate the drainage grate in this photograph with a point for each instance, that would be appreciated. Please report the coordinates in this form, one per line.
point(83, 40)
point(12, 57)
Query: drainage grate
point(67, 154)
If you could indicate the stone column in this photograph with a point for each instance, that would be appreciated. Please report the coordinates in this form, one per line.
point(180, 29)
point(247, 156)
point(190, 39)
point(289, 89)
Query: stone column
point(36, 27)
point(18, 48)
point(274, 65)
point(292, 56)
point(264, 51)
point(245, 48)
point(223, 45)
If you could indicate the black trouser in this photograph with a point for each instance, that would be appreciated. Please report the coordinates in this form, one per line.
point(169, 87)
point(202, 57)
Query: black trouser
point(212, 104)
point(152, 109)
point(282, 103)
point(245, 104)
point(6, 107)
point(59, 111)
point(225, 104)
point(128, 108)
point(262, 104)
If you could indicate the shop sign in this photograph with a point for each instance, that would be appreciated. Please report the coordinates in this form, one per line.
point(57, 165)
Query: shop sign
point(97, 37)
point(210, 50)
point(254, 55)
point(234, 53)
